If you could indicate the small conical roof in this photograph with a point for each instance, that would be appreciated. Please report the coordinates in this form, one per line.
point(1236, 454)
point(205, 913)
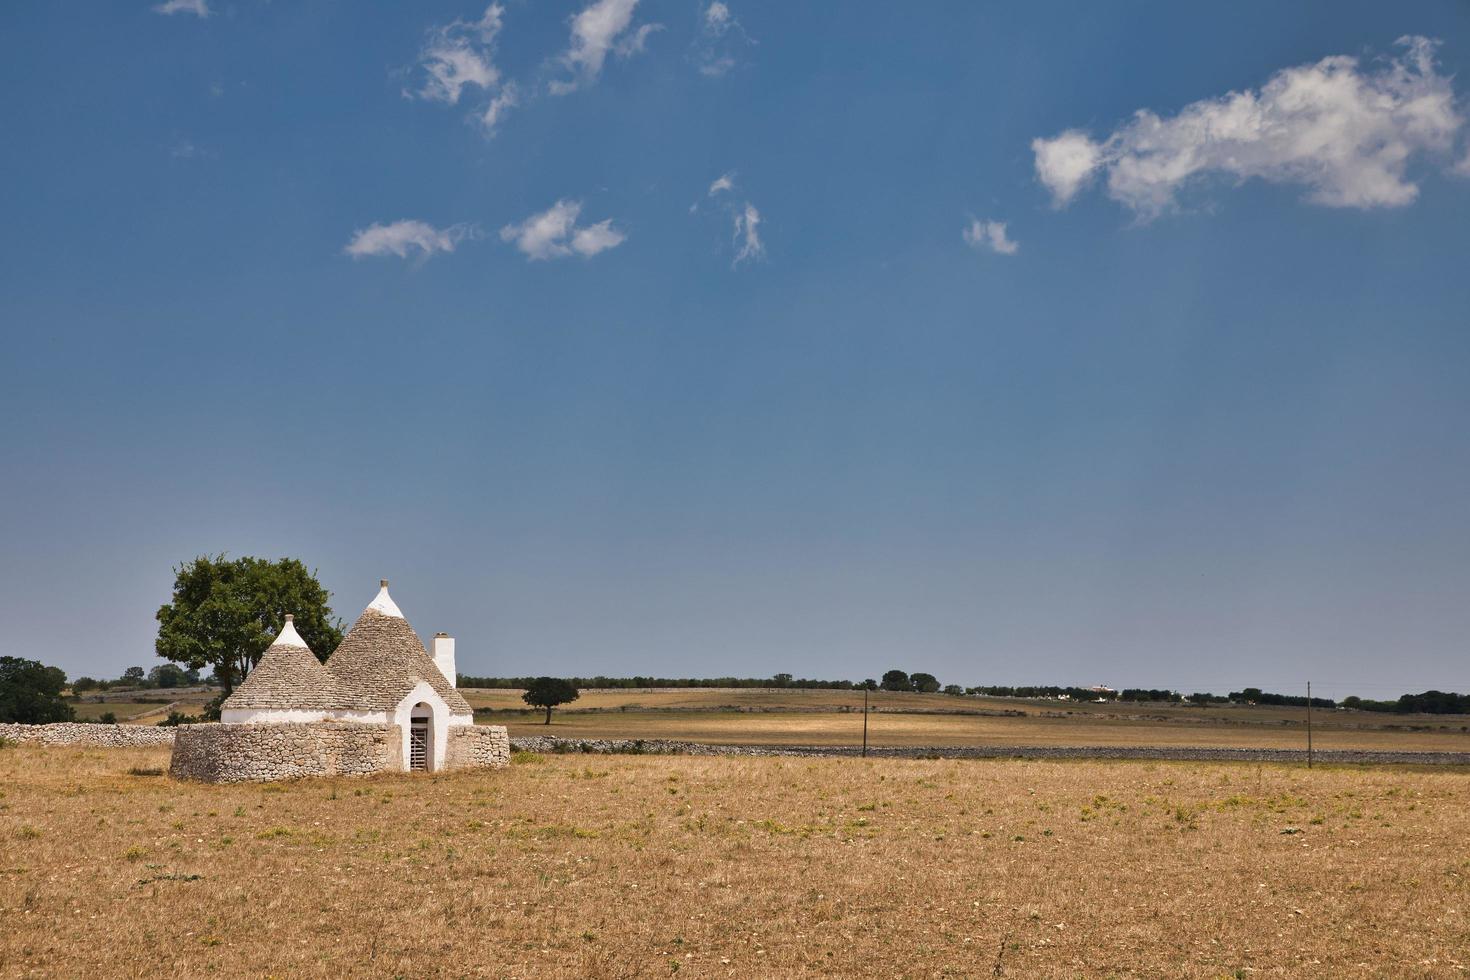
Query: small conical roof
point(288, 677)
point(382, 659)
point(384, 603)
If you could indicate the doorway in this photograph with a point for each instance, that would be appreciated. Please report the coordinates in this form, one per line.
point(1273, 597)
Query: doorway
point(421, 738)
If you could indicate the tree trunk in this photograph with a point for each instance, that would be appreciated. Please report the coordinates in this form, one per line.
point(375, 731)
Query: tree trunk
point(548, 714)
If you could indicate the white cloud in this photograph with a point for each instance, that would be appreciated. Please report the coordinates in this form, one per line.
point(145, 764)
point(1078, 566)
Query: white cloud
point(460, 55)
point(400, 237)
point(1344, 131)
point(508, 98)
point(1463, 167)
point(717, 17)
point(596, 238)
point(600, 27)
point(1065, 163)
point(991, 235)
point(554, 234)
point(725, 182)
point(196, 7)
point(720, 41)
point(747, 234)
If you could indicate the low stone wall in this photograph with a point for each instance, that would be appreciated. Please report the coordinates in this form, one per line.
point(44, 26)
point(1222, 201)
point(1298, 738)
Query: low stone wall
point(625, 746)
point(477, 747)
point(76, 733)
point(220, 753)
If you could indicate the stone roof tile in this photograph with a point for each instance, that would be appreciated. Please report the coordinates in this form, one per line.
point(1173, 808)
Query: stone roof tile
point(288, 676)
point(381, 659)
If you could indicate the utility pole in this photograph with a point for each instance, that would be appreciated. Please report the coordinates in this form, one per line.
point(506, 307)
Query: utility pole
point(1309, 724)
point(865, 721)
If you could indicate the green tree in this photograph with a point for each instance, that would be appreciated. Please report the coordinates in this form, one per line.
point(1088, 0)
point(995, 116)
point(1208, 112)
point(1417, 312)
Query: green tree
point(83, 684)
point(30, 692)
point(134, 676)
point(927, 683)
point(868, 685)
point(548, 692)
point(225, 613)
point(168, 675)
point(896, 680)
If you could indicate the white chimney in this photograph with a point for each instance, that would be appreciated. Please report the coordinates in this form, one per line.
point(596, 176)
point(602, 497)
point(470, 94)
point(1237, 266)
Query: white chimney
point(441, 648)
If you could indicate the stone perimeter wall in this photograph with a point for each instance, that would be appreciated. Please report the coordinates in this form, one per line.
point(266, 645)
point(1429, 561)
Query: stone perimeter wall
point(625, 746)
point(477, 747)
point(221, 753)
point(77, 733)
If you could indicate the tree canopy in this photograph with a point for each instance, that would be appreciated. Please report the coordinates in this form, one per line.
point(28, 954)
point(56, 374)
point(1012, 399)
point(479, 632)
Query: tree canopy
point(548, 692)
point(30, 692)
point(225, 613)
point(896, 680)
point(927, 683)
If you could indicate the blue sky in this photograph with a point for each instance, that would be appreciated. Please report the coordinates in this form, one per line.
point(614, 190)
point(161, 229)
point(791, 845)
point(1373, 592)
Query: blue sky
point(1043, 343)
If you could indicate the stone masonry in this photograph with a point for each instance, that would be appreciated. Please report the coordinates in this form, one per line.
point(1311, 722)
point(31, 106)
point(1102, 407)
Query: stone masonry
point(77, 733)
point(220, 753)
point(477, 747)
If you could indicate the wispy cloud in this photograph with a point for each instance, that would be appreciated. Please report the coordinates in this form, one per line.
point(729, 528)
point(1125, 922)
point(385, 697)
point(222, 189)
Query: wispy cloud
point(603, 26)
point(1345, 132)
point(721, 40)
point(187, 149)
point(744, 218)
point(747, 235)
point(507, 99)
point(196, 7)
point(553, 234)
point(402, 237)
point(460, 55)
point(990, 235)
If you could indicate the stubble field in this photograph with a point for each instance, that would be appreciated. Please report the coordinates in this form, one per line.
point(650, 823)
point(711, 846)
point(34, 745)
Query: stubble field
point(826, 718)
point(609, 866)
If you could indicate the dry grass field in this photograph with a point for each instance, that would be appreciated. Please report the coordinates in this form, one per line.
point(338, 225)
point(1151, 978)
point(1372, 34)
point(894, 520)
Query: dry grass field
point(787, 717)
point(654, 866)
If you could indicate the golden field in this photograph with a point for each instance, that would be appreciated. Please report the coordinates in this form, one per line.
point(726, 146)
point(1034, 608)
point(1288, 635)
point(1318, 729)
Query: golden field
point(629, 866)
point(791, 717)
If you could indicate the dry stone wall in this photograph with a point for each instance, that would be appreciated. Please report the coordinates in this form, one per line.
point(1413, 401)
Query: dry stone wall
point(77, 733)
point(220, 753)
point(477, 747)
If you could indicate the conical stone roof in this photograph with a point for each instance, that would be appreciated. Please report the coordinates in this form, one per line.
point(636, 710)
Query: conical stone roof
point(381, 659)
point(288, 677)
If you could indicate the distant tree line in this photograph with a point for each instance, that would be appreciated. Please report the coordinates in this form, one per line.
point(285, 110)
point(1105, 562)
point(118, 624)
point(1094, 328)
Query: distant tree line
point(584, 683)
point(1430, 702)
point(1254, 695)
point(135, 678)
